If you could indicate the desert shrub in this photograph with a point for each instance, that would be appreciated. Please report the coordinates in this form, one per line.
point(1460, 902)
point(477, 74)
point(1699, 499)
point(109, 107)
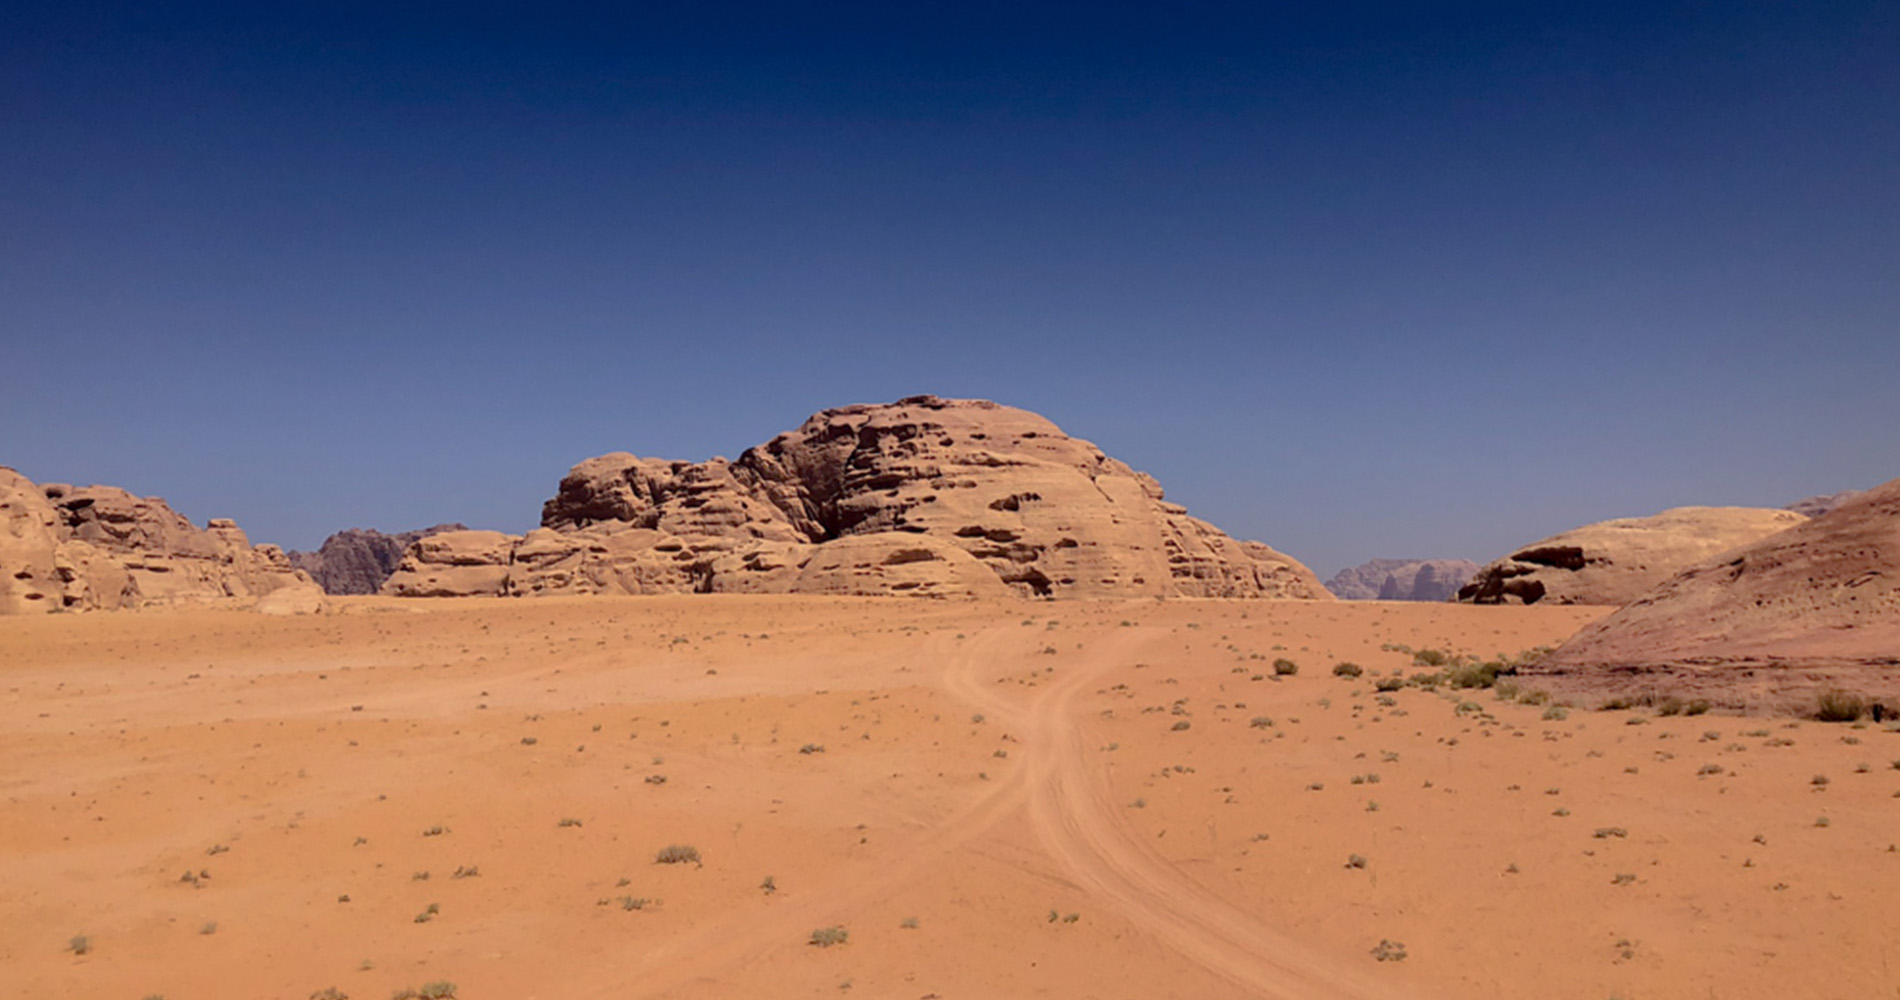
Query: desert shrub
point(1284, 667)
point(825, 937)
point(1670, 705)
point(674, 854)
point(1839, 706)
point(1266, 722)
point(79, 944)
point(329, 993)
point(1180, 726)
point(1389, 951)
point(811, 748)
point(1533, 697)
point(1506, 690)
point(1347, 669)
point(1431, 658)
point(1389, 684)
point(1473, 675)
point(1697, 706)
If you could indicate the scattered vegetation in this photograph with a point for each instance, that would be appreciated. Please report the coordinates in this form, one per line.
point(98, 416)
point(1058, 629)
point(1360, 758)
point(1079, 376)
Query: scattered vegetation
point(1347, 669)
point(1389, 951)
point(440, 990)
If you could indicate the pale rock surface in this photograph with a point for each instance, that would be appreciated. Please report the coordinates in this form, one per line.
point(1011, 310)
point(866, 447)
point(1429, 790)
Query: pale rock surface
point(969, 482)
point(1764, 625)
point(1402, 580)
point(102, 548)
point(1615, 562)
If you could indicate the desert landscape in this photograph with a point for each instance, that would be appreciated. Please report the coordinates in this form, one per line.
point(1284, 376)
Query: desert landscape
point(1346, 501)
point(989, 798)
point(958, 706)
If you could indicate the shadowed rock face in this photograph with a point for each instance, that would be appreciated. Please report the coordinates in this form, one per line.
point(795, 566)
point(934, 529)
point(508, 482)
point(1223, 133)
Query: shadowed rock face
point(99, 547)
point(1402, 580)
point(359, 560)
point(1765, 625)
point(1615, 562)
point(943, 486)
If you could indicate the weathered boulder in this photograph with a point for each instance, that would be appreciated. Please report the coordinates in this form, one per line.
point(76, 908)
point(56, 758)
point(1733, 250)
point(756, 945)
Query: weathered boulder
point(1045, 514)
point(455, 564)
point(359, 560)
point(1402, 580)
point(100, 547)
point(1766, 625)
point(1615, 562)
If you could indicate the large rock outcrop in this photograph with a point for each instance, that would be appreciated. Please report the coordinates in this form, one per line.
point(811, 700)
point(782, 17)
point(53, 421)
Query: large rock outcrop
point(912, 497)
point(1615, 562)
point(99, 547)
point(1402, 580)
point(1767, 625)
point(360, 560)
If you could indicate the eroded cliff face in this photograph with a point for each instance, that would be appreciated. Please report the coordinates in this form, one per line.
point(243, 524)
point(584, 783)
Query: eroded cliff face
point(1615, 562)
point(102, 548)
point(912, 497)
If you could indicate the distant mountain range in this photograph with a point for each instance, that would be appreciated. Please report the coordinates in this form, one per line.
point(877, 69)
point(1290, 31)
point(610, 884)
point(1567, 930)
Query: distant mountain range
point(1402, 580)
point(357, 561)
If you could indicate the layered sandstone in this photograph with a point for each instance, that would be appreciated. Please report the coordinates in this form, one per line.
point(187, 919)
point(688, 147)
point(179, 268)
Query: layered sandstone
point(945, 487)
point(1402, 580)
point(1615, 562)
point(100, 548)
point(1765, 625)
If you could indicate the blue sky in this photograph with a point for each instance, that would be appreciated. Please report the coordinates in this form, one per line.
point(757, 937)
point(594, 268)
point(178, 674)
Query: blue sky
point(1355, 279)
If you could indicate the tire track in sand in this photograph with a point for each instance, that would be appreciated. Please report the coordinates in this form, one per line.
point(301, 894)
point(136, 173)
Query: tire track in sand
point(1070, 809)
point(701, 955)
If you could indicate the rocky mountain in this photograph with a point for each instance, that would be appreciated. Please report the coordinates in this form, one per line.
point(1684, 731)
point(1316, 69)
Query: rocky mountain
point(359, 560)
point(1615, 562)
point(1767, 625)
point(925, 497)
point(1402, 580)
point(100, 548)
point(1816, 506)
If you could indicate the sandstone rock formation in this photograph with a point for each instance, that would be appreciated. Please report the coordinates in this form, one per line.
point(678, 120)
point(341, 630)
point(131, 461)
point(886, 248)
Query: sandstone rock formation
point(1615, 562)
point(1765, 625)
point(913, 497)
point(1816, 506)
point(359, 560)
point(1402, 580)
point(99, 547)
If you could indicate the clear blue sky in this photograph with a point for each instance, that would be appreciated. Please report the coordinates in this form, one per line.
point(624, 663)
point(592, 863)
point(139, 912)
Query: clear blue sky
point(1355, 279)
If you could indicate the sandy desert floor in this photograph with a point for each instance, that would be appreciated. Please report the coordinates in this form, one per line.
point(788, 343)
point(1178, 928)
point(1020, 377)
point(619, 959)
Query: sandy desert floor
point(1004, 800)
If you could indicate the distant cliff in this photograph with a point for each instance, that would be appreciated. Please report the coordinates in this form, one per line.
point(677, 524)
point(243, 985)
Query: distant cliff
point(357, 561)
point(1402, 580)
